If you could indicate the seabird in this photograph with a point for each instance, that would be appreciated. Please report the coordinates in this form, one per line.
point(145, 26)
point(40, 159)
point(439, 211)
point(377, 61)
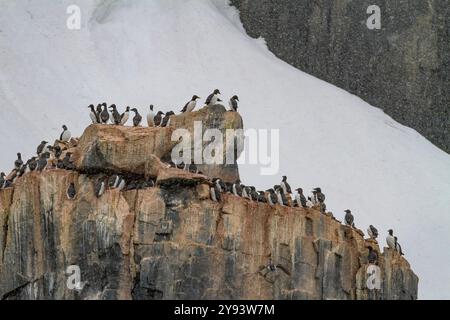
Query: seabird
point(115, 114)
point(233, 103)
point(32, 164)
point(57, 152)
point(71, 191)
point(254, 194)
point(165, 122)
point(390, 240)
point(215, 193)
point(104, 115)
point(300, 198)
point(398, 247)
point(262, 196)
point(272, 197)
point(2, 180)
point(237, 188)
point(158, 118)
point(43, 160)
point(113, 181)
point(137, 119)
point(67, 162)
point(121, 184)
point(285, 186)
point(65, 135)
point(372, 232)
point(281, 197)
point(99, 111)
point(373, 256)
point(124, 117)
point(41, 147)
point(99, 188)
point(151, 117)
point(93, 115)
point(19, 162)
point(349, 218)
point(22, 170)
point(212, 98)
point(190, 106)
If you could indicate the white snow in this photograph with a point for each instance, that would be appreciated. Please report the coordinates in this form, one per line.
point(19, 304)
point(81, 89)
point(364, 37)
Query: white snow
point(162, 52)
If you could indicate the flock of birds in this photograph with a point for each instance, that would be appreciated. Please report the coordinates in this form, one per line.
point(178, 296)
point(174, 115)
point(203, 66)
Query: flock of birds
point(50, 157)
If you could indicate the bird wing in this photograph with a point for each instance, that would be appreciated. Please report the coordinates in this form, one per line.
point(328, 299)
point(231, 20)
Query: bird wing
point(288, 187)
point(208, 100)
point(185, 107)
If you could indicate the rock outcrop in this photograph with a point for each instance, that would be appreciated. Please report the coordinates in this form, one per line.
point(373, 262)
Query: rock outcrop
point(403, 68)
point(172, 241)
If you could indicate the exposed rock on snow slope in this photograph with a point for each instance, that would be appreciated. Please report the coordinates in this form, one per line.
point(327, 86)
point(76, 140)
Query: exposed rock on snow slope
point(161, 52)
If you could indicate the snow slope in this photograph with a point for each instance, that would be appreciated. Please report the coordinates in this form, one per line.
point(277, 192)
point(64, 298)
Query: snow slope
point(162, 52)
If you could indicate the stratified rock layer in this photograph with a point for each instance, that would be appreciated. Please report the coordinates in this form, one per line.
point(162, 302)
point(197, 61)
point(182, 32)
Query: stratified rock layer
point(171, 241)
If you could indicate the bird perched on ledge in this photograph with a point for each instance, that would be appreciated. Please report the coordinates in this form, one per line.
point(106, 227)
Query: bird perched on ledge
point(349, 219)
point(212, 98)
point(65, 135)
point(233, 103)
point(190, 106)
point(137, 119)
point(151, 117)
point(372, 232)
point(158, 118)
point(115, 114)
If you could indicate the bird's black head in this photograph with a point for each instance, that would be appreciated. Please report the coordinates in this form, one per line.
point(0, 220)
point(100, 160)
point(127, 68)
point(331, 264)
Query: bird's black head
point(390, 231)
point(91, 106)
point(170, 113)
point(160, 112)
point(64, 127)
point(104, 104)
point(128, 109)
point(151, 107)
point(195, 97)
point(44, 142)
point(19, 154)
point(217, 91)
point(238, 181)
point(300, 190)
point(284, 178)
point(347, 211)
point(235, 98)
point(113, 106)
point(2, 174)
point(134, 109)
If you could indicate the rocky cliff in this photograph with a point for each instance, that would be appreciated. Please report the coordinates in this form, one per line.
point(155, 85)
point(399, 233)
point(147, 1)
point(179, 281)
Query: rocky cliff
point(403, 68)
point(171, 241)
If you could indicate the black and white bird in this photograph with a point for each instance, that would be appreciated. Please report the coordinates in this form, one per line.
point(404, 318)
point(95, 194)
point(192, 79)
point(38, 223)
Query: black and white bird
point(41, 147)
point(233, 103)
point(372, 232)
point(2, 180)
point(272, 197)
point(300, 198)
point(104, 115)
point(113, 181)
point(99, 111)
point(237, 188)
point(262, 196)
point(93, 114)
point(42, 162)
point(166, 121)
point(67, 162)
point(281, 196)
point(372, 257)
point(285, 186)
point(216, 196)
point(121, 184)
point(125, 116)
point(32, 164)
point(213, 98)
point(254, 194)
point(57, 151)
point(19, 162)
point(99, 188)
point(116, 117)
point(390, 239)
point(398, 247)
point(151, 117)
point(71, 191)
point(22, 170)
point(137, 119)
point(190, 105)
point(65, 135)
point(349, 219)
point(158, 118)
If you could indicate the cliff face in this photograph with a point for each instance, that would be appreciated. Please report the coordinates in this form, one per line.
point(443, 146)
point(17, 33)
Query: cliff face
point(172, 241)
point(403, 68)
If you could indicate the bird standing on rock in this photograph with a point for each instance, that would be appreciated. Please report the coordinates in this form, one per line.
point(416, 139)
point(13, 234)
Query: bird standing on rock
point(124, 117)
point(190, 106)
point(158, 118)
point(372, 232)
point(137, 119)
point(115, 114)
point(99, 188)
point(349, 218)
point(41, 147)
point(2, 180)
point(212, 98)
point(300, 198)
point(93, 115)
point(166, 121)
point(19, 162)
point(104, 115)
point(65, 135)
point(398, 248)
point(71, 192)
point(43, 160)
point(390, 240)
point(233, 103)
point(32, 164)
point(285, 186)
point(151, 117)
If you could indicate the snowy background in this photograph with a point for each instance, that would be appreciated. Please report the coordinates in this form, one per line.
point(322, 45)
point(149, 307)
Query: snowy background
point(162, 52)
